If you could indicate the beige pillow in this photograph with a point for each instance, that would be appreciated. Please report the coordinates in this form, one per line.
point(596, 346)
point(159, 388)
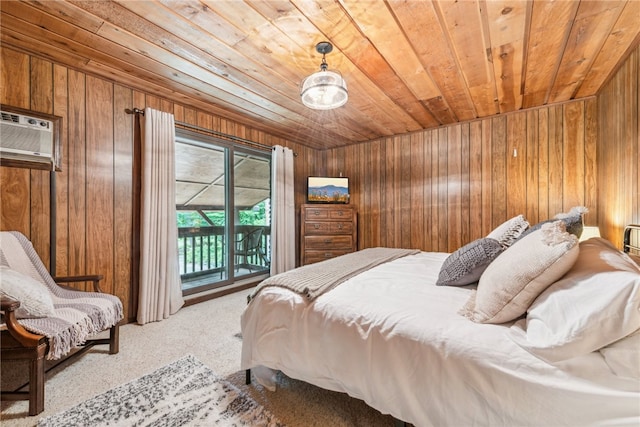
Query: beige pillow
point(509, 231)
point(35, 298)
point(513, 280)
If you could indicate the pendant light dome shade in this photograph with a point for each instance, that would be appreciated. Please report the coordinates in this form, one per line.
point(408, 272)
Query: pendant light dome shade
point(324, 89)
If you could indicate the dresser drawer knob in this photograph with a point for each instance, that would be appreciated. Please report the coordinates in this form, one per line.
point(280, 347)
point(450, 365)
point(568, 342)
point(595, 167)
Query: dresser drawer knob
point(316, 226)
point(340, 213)
point(316, 213)
point(327, 255)
point(340, 226)
point(327, 240)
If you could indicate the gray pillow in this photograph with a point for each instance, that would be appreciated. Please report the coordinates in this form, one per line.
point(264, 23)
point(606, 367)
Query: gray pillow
point(572, 221)
point(466, 265)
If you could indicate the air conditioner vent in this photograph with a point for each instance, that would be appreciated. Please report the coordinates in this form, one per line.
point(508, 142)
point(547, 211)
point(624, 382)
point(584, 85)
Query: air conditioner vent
point(26, 138)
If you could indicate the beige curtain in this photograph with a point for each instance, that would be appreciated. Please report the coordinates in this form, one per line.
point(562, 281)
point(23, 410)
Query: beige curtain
point(283, 232)
point(160, 286)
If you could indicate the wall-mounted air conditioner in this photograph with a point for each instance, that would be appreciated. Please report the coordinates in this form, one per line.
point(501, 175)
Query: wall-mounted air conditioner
point(29, 139)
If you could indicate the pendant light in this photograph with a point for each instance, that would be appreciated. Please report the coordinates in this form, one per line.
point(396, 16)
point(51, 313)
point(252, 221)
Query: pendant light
point(324, 90)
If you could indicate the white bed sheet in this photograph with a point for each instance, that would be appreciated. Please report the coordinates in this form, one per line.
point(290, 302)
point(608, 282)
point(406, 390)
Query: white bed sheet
point(394, 339)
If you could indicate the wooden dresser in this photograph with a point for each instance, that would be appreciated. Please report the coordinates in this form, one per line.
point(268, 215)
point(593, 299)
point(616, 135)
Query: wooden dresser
point(327, 231)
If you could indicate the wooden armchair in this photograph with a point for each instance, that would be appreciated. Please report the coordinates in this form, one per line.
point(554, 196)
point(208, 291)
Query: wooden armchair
point(34, 339)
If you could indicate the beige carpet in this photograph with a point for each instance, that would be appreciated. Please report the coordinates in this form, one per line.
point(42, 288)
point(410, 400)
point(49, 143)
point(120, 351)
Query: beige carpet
point(209, 331)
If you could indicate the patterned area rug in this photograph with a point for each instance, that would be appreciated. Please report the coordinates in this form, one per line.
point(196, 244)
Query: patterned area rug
point(183, 393)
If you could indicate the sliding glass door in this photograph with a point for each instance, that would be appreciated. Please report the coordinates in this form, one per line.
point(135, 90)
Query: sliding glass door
point(251, 212)
point(223, 210)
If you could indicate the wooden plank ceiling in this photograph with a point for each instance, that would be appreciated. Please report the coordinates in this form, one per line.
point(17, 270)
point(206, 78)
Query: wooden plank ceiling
point(409, 65)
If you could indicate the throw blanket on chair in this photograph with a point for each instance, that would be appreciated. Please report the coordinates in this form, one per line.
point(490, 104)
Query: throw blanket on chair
point(77, 315)
point(313, 280)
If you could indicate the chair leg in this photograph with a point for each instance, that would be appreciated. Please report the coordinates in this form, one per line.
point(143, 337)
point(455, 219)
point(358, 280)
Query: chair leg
point(36, 385)
point(114, 339)
point(264, 258)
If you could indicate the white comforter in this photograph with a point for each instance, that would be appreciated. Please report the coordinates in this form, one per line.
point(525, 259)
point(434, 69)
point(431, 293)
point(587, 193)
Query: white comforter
point(394, 339)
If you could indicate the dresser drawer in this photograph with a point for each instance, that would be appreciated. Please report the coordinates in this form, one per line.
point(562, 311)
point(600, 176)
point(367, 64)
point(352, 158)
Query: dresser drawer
point(328, 227)
point(328, 242)
point(327, 213)
point(316, 256)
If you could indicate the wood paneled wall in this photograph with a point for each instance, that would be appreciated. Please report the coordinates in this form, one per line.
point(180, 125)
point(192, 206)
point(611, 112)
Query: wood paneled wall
point(437, 190)
point(619, 150)
point(94, 191)
point(434, 190)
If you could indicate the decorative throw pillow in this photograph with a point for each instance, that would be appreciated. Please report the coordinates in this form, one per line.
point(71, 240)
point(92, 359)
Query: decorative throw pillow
point(510, 284)
point(465, 266)
point(595, 304)
point(572, 221)
point(35, 299)
point(509, 231)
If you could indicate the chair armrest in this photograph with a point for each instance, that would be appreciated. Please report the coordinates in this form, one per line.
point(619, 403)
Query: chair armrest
point(8, 303)
point(24, 337)
point(95, 278)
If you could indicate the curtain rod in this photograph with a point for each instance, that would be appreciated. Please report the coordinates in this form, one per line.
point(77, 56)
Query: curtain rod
point(212, 132)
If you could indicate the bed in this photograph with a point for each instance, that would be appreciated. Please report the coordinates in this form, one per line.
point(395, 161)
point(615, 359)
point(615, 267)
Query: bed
point(397, 337)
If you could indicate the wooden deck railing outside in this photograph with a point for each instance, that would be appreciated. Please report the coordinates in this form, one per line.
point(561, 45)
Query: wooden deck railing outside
point(202, 250)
